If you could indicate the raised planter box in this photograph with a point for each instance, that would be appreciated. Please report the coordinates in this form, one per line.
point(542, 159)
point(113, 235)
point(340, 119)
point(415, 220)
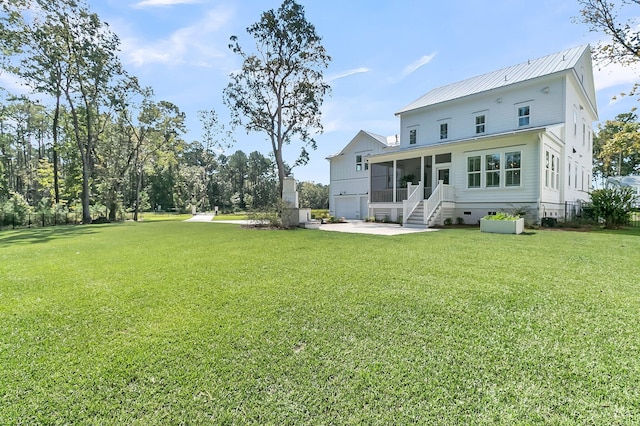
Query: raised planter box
point(502, 226)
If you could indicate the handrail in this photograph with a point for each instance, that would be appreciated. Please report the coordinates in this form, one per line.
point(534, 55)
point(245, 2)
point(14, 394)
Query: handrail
point(413, 199)
point(440, 193)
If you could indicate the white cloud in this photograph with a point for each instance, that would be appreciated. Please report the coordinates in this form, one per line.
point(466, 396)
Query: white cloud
point(613, 75)
point(192, 44)
point(347, 73)
point(154, 3)
point(417, 64)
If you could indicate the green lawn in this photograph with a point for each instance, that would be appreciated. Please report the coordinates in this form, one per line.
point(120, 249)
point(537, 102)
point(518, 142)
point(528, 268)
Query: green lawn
point(199, 323)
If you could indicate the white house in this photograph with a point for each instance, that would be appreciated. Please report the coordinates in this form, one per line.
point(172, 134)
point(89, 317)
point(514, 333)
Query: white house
point(519, 138)
point(349, 185)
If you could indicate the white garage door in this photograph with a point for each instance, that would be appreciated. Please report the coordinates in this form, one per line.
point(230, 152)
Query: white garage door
point(346, 207)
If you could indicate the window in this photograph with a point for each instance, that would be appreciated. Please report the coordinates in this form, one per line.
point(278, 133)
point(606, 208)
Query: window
point(524, 114)
point(569, 174)
point(575, 121)
point(584, 133)
point(361, 165)
point(512, 164)
point(444, 130)
point(480, 122)
point(547, 167)
point(412, 136)
point(575, 176)
point(473, 172)
point(443, 158)
point(492, 167)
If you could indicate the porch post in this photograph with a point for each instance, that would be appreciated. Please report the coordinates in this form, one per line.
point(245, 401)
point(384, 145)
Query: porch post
point(423, 180)
point(394, 181)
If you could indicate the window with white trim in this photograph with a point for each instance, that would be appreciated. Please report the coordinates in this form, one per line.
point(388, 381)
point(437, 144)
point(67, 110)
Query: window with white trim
point(492, 170)
point(584, 133)
point(361, 164)
point(524, 115)
point(474, 172)
point(553, 171)
point(512, 168)
point(557, 178)
point(569, 174)
point(575, 176)
point(547, 168)
point(480, 123)
point(413, 136)
point(444, 130)
point(575, 121)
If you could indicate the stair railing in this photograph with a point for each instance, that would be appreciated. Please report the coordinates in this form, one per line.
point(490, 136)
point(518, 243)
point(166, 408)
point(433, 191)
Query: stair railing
point(433, 202)
point(414, 197)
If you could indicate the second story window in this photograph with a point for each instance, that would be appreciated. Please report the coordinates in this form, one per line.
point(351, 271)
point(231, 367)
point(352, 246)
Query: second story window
point(360, 164)
point(524, 115)
point(480, 122)
point(412, 136)
point(444, 130)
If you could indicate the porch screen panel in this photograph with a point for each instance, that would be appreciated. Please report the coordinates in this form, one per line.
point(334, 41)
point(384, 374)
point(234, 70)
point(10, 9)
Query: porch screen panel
point(382, 182)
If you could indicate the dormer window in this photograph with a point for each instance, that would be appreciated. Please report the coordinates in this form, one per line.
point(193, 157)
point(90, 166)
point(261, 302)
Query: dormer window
point(524, 115)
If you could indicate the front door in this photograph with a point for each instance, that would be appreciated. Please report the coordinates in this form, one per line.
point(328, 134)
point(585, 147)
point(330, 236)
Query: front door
point(443, 175)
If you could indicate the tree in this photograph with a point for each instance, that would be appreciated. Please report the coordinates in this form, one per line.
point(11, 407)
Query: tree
point(313, 195)
point(64, 50)
point(616, 147)
point(613, 205)
point(280, 89)
point(603, 16)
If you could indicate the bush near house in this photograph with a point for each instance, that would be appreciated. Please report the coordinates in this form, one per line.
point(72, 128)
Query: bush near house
point(613, 205)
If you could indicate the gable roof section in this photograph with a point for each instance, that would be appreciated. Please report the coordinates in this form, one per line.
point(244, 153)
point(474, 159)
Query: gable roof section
point(385, 141)
point(529, 70)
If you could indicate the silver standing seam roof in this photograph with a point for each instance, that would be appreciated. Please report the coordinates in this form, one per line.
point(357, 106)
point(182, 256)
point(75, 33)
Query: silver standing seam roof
point(531, 69)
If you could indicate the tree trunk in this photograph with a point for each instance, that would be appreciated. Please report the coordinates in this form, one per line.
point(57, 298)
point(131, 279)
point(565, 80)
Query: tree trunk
point(113, 209)
point(138, 189)
point(56, 184)
point(86, 190)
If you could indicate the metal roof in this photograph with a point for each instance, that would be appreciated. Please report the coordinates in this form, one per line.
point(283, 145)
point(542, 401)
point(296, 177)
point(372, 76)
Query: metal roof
point(531, 69)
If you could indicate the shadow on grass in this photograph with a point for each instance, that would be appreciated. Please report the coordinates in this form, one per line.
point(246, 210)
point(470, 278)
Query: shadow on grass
point(43, 235)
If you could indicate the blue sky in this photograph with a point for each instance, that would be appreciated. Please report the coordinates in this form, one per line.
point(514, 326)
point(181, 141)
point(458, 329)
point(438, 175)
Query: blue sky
point(384, 55)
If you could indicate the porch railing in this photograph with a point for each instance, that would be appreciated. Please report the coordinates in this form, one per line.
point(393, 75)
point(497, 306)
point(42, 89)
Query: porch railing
point(414, 197)
point(386, 195)
point(440, 193)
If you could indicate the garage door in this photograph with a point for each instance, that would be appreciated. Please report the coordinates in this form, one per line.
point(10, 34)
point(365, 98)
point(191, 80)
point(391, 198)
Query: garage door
point(346, 207)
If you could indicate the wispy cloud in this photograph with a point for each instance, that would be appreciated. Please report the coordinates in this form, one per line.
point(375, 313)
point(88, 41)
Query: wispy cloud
point(156, 3)
point(347, 73)
point(411, 68)
point(192, 44)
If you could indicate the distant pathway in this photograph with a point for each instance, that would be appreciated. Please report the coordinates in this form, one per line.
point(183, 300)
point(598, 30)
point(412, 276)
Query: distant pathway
point(200, 218)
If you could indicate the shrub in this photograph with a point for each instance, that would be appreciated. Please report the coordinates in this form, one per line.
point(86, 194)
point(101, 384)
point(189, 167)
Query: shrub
point(459, 220)
point(448, 221)
point(613, 205)
point(501, 216)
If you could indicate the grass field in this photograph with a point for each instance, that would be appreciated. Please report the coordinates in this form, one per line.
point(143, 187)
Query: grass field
point(165, 322)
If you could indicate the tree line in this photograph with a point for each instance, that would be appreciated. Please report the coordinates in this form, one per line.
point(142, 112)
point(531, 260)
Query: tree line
point(89, 137)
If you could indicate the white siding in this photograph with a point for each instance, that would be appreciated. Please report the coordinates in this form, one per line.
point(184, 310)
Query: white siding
point(544, 96)
point(346, 181)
